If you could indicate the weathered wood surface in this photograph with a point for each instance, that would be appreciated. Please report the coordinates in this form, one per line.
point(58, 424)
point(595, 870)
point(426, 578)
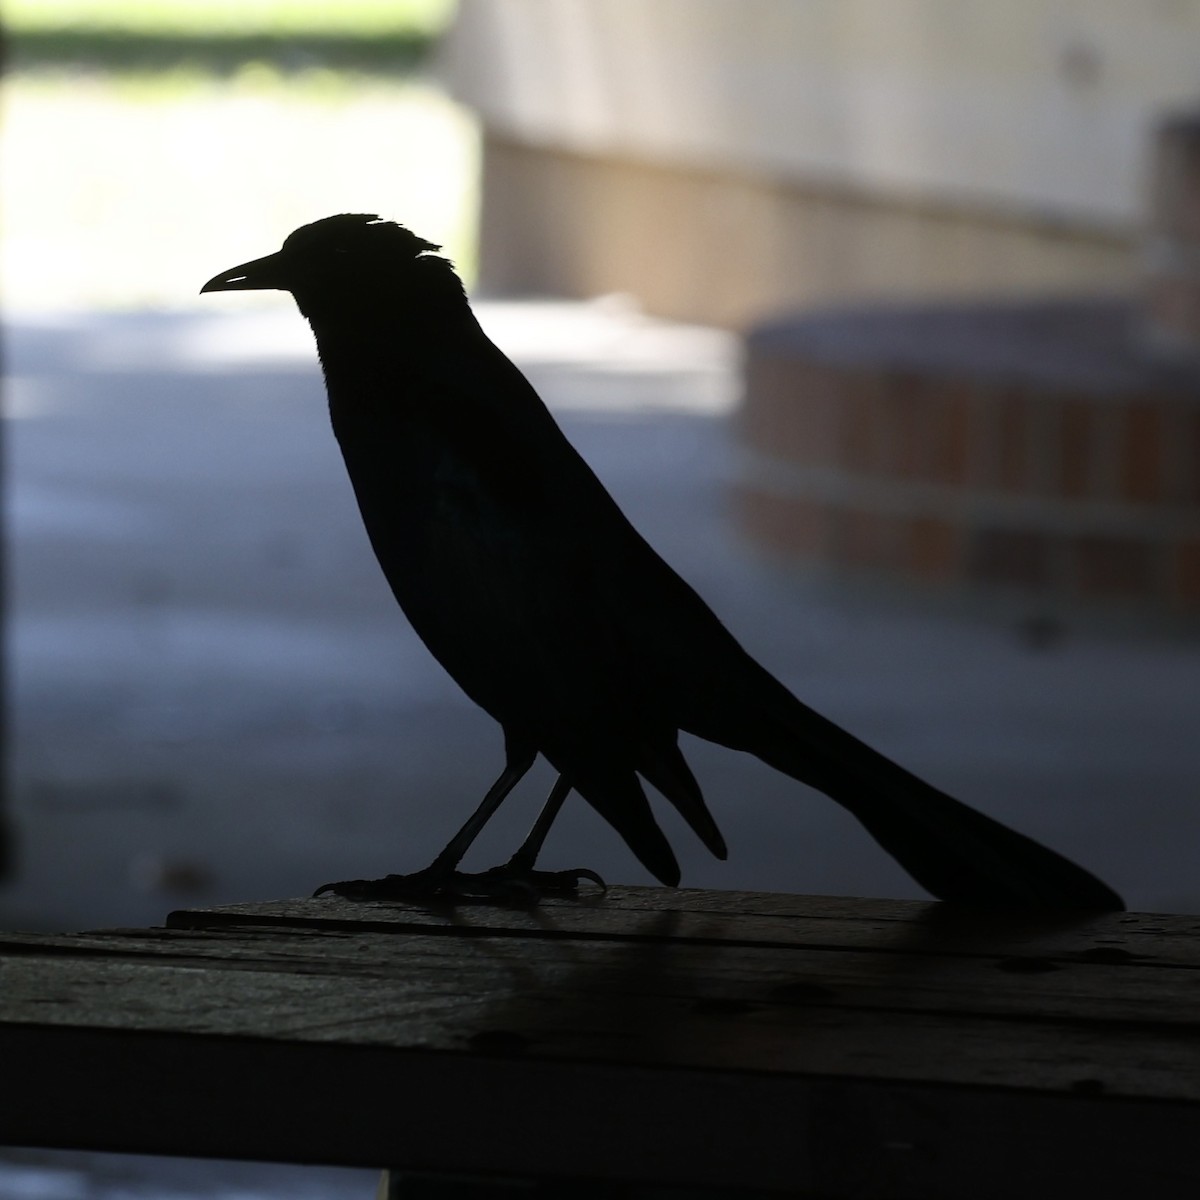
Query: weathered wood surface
point(845, 1047)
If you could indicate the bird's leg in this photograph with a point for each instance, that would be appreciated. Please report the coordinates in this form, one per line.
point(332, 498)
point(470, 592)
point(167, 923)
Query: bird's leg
point(519, 870)
point(531, 847)
point(442, 875)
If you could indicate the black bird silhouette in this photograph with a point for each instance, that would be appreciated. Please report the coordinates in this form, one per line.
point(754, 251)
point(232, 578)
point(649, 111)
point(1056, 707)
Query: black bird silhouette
point(528, 584)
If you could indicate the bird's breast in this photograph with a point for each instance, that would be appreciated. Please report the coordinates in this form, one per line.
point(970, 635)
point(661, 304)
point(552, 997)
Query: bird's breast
point(450, 549)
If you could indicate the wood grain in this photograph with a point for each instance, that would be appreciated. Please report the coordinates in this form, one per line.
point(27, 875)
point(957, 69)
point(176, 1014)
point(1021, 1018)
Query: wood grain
point(753, 918)
point(664, 1037)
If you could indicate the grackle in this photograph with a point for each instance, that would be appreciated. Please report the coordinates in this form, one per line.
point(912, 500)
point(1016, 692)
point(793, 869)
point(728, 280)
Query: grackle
point(528, 584)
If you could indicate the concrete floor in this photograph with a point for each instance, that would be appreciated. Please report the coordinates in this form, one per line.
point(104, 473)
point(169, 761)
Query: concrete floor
point(216, 699)
point(80, 1175)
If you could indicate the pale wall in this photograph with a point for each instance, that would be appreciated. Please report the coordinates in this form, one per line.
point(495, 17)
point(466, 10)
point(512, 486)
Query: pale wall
point(1022, 127)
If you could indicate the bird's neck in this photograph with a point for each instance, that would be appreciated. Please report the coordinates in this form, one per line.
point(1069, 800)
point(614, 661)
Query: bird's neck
point(426, 299)
point(378, 363)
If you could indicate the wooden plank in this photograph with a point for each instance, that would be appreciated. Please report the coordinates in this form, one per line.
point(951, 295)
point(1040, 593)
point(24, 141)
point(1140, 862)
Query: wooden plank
point(654, 1005)
point(731, 974)
point(325, 1103)
point(754, 918)
point(679, 1038)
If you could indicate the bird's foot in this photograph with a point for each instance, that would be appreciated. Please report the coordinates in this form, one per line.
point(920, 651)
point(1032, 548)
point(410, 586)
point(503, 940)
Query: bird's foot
point(509, 884)
point(516, 879)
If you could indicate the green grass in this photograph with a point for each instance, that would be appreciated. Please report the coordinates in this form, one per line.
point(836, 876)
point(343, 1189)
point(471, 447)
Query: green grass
point(219, 36)
point(190, 18)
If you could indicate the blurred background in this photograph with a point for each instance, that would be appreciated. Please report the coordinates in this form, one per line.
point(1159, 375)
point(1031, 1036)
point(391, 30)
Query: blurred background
point(879, 317)
point(847, 302)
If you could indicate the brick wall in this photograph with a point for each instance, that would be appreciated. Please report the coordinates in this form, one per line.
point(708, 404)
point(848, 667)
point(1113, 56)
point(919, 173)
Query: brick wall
point(1031, 447)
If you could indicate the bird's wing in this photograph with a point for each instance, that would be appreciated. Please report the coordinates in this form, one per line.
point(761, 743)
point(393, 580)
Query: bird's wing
point(512, 563)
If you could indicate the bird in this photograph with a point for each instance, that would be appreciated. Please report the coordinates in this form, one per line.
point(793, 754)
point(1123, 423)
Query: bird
point(530, 586)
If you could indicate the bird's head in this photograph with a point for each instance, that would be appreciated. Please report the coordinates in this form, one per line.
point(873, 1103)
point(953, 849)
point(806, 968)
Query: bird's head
point(341, 260)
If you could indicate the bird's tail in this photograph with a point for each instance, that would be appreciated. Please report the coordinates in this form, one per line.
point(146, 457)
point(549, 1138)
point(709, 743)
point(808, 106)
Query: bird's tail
point(950, 849)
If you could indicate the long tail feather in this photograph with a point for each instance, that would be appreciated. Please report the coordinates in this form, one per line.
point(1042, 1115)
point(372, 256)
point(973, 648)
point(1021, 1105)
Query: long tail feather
point(952, 850)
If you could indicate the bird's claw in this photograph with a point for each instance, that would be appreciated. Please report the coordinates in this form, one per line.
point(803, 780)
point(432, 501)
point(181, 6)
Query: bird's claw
point(546, 883)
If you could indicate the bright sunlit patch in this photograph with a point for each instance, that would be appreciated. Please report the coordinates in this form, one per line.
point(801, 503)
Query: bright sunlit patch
point(616, 344)
point(117, 199)
point(275, 337)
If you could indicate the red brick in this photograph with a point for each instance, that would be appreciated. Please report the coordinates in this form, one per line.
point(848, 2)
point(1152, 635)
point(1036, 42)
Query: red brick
point(793, 525)
point(766, 414)
point(1113, 566)
point(791, 409)
point(933, 548)
point(819, 414)
point(1177, 423)
point(860, 449)
point(1172, 304)
point(868, 539)
point(1187, 572)
point(756, 410)
point(1012, 441)
point(902, 429)
point(857, 534)
point(1191, 460)
point(1142, 452)
point(1021, 557)
point(1076, 435)
point(948, 431)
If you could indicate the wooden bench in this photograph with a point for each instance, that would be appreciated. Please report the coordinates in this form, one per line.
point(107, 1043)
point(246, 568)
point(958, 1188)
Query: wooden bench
point(644, 1037)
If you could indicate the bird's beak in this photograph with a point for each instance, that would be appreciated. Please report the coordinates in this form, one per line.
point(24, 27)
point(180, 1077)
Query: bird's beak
point(260, 275)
